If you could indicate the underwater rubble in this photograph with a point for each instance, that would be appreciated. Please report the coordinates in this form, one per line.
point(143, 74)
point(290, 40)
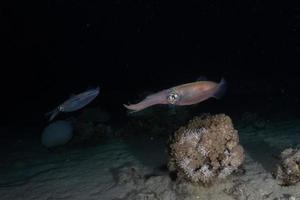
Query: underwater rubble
point(88, 134)
point(288, 170)
point(90, 128)
point(207, 159)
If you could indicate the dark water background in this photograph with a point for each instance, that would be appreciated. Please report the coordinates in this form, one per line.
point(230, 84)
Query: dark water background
point(55, 48)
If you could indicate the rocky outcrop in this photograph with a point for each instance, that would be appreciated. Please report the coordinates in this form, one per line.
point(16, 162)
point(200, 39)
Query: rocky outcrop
point(288, 170)
point(206, 149)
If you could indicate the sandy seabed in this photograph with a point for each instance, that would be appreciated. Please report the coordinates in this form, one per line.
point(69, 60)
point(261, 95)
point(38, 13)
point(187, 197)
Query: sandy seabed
point(131, 169)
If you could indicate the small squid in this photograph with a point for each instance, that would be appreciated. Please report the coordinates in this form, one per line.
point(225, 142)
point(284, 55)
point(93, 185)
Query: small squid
point(75, 102)
point(186, 94)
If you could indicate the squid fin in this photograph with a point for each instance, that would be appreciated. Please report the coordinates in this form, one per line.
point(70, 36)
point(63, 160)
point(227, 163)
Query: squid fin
point(221, 90)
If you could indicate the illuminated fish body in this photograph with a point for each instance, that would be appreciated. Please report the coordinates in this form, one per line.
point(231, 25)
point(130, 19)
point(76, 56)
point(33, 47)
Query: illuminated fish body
point(186, 94)
point(75, 102)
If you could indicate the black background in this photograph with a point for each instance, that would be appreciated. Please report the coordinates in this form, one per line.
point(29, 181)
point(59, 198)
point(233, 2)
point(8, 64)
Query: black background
point(56, 48)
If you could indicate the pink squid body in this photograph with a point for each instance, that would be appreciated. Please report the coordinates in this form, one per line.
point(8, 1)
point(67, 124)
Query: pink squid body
point(153, 99)
point(186, 94)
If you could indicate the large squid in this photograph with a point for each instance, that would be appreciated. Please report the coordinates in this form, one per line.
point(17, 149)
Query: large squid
point(186, 94)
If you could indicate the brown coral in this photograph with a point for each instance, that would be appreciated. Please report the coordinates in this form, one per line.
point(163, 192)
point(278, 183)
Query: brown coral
point(288, 170)
point(205, 149)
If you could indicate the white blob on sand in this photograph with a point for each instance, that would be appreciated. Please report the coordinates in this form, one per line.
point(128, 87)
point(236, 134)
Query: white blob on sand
point(57, 133)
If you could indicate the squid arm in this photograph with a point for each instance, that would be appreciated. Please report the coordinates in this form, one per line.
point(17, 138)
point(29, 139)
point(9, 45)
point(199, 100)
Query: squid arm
point(157, 98)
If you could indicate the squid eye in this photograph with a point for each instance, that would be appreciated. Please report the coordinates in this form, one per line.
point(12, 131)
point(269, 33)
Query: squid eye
point(61, 108)
point(173, 97)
